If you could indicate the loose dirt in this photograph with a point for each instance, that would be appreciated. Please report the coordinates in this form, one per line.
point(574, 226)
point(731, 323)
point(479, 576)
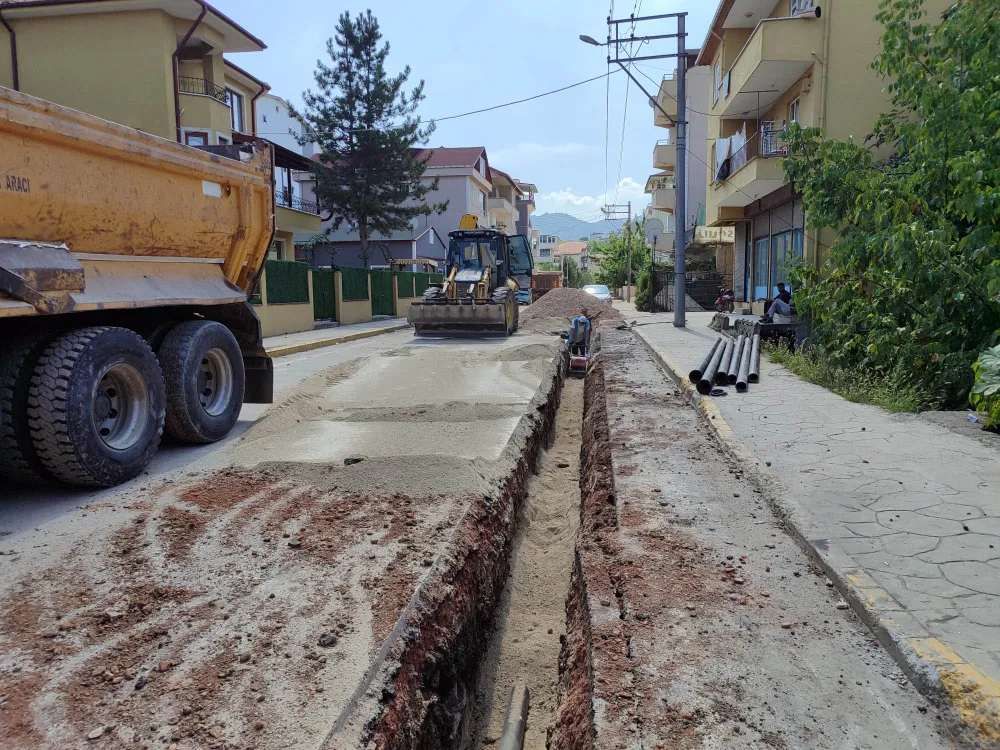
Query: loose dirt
point(553, 311)
point(530, 622)
point(706, 626)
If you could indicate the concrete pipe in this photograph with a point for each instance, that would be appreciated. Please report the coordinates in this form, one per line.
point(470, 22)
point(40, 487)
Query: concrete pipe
point(722, 375)
point(744, 372)
point(696, 373)
point(734, 363)
point(755, 360)
point(708, 377)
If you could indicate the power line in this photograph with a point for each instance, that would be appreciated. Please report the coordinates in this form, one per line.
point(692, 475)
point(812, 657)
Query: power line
point(608, 74)
point(621, 149)
point(528, 99)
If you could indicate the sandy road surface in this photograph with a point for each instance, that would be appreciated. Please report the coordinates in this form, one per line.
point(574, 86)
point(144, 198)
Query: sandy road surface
point(237, 599)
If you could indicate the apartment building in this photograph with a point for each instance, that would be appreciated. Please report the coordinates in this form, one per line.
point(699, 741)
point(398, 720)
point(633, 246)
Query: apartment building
point(547, 243)
point(155, 65)
point(525, 208)
point(661, 185)
point(501, 204)
point(775, 62)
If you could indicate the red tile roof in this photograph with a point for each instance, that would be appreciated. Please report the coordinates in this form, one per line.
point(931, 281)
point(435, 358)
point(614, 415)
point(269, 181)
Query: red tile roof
point(450, 157)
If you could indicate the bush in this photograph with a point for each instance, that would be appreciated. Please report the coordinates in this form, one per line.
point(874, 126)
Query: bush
point(986, 391)
point(643, 298)
point(890, 391)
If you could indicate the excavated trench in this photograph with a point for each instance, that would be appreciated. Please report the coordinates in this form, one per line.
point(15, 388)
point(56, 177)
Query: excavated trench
point(495, 613)
point(530, 624)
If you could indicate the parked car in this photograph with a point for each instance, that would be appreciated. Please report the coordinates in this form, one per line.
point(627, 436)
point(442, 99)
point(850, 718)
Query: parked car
point(524, 296)
point(600, 291)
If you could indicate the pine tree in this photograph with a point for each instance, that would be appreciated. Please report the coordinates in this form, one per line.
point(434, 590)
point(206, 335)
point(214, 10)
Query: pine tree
point(364, 123)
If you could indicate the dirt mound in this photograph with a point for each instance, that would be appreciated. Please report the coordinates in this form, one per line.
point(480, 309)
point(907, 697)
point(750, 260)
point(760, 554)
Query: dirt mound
point(553, 312)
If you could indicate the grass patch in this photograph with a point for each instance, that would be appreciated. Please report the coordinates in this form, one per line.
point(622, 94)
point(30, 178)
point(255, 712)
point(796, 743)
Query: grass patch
point(858, 386)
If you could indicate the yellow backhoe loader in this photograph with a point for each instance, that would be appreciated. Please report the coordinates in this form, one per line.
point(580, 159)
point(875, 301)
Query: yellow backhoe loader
point(485, 270)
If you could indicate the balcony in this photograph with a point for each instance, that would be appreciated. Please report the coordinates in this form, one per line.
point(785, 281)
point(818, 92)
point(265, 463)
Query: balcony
point(664, 155)
point(294, 202)
point(501, 206)
point(665, 197)
point(753, 170)
point(201, 87)
point(778, 53)
point(666, 97)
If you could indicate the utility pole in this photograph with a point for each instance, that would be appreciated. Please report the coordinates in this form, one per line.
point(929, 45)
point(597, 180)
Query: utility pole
point(680, 239)
point(624, 57)
point(615, 212)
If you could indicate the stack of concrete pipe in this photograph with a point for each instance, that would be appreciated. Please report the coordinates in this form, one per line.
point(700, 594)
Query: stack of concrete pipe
point(729, 363)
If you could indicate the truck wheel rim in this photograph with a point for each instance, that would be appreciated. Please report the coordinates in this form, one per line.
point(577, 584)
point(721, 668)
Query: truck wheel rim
point(215, 382)
point(121, 406)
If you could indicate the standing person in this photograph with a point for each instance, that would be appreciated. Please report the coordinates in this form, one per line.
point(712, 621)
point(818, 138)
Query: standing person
point(579, 334)
point(782, 304)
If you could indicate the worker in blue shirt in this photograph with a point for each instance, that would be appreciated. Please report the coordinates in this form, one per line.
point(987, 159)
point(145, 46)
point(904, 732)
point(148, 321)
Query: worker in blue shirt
point(579, 334)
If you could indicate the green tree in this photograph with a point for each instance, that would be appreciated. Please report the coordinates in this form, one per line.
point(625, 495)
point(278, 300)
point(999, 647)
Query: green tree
point(364, 124)
point(613, 252)
point(575, 276)
point(911, 287)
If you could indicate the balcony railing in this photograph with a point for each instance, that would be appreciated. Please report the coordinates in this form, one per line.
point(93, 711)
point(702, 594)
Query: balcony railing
point(768, 143)
point(188, 85)
point(286, 199)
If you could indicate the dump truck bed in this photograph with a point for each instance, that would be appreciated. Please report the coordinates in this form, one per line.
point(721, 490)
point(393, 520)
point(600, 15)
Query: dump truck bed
point(97, 216)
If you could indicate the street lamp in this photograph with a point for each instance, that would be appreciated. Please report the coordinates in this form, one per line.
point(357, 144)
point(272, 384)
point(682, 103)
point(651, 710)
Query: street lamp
point(590, 40)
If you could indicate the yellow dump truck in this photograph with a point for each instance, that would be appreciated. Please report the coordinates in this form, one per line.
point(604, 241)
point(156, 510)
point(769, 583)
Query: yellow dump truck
point(125, 265)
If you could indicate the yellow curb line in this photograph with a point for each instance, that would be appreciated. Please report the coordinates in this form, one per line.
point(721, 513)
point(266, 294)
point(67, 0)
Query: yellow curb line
point(974, 696)
point(282, 351)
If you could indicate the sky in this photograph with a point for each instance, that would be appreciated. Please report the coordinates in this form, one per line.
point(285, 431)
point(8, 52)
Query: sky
point(497, 53)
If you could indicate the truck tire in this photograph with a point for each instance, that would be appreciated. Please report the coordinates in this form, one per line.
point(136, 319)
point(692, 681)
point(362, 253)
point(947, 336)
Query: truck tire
point(18, 459)
point(96, 406)
point(203, 370)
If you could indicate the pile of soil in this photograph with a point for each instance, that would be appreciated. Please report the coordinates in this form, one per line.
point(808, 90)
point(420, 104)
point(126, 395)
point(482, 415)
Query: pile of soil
point(553, 312)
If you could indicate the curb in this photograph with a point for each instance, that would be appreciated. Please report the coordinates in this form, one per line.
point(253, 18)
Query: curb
point(282, 351)
point(970, 698)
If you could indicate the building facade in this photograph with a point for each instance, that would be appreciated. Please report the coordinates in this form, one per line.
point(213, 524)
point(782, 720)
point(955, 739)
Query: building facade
point(774, 63)
point(154, 65)
point(502, 202)
point(547, 244)
point(525, 208)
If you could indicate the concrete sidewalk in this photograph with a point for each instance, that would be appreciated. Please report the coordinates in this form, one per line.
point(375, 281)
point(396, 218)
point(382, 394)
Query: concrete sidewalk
point(293, 343)
point(902, 512)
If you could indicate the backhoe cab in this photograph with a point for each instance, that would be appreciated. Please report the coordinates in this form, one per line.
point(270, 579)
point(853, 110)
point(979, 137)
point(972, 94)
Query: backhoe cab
point(485, 270)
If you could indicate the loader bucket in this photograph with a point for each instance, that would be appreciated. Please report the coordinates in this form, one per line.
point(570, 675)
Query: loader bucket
point(453, 317)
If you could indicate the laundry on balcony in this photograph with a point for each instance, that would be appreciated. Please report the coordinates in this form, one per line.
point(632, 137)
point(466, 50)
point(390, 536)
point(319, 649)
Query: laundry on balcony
point(723, 167)
point(738, 144)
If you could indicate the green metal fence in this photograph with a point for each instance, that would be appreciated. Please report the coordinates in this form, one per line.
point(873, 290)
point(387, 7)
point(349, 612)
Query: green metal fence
point(382, 302)
point(437, 278)
point(405, 283)
point(287, 282)
point(324, 294)
point(355, 283)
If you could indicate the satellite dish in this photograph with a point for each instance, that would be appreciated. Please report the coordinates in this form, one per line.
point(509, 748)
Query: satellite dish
point(654, 228)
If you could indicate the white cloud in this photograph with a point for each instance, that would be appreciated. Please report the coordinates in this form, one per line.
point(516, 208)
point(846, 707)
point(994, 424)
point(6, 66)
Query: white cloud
point(567, 201)
point(525, 155)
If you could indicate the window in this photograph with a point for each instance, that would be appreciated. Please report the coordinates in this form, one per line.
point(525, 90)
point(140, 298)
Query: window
point(277, 249)
point(781, 249)
point(793, 111)
point(223, 141)
point(195, 138)
point(236, 110)
point(482, 202)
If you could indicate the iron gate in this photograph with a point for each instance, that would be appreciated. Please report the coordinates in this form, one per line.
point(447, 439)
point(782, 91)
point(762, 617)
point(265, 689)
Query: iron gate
point(702, 290)
point(324, 301)
point(382, 303)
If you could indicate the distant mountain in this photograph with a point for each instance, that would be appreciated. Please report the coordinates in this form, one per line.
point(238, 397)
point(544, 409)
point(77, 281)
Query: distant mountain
point(567, 227)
